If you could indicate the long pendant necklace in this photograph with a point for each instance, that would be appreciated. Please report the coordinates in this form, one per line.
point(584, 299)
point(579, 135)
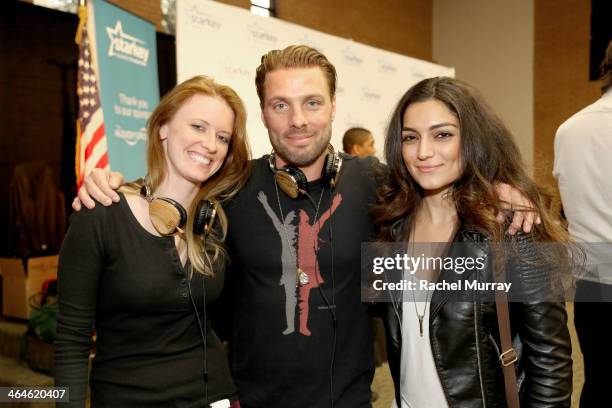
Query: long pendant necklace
point(420, 316)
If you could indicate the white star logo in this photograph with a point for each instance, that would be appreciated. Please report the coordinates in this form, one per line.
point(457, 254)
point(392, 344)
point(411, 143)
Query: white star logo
point(117, 32)
point(125, 46)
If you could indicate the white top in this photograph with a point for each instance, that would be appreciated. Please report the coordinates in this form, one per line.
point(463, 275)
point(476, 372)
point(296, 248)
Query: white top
point(583, 168)
point(419, 381)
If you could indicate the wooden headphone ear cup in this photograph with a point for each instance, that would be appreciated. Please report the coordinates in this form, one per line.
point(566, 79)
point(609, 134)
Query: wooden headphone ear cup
point(292, 181)
point(287, 183)
point(167, 215)
point(180, 209)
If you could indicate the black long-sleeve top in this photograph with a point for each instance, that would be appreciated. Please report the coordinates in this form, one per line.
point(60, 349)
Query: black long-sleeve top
point(130, 287)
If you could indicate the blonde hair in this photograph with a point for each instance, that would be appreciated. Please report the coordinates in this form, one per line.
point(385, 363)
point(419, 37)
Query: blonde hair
point(204, 252)
point(294, 56)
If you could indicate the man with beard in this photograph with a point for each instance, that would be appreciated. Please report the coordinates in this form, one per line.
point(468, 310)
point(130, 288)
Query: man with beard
point(301, 335)
point(301, 332)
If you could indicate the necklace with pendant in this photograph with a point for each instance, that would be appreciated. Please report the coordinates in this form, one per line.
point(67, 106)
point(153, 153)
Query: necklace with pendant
point(420, 316)
point(301, 277)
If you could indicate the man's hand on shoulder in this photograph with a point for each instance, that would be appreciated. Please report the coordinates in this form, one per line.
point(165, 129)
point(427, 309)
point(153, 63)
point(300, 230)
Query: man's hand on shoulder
point(99, 185)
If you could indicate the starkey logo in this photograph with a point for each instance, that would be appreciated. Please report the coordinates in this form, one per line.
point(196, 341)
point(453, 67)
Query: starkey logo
point(126, 47)
point(260, 34)
point(370, 95)
point(202, 19)
point(309, 41)
point(386, 67)
point(238, 71)
point(351, 57)
point(352, 121)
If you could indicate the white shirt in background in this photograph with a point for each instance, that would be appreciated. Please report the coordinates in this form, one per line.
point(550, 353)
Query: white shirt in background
point(583, 169)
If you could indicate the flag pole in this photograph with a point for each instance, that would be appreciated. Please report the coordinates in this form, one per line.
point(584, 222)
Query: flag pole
point(82, 20)
point(77, 159)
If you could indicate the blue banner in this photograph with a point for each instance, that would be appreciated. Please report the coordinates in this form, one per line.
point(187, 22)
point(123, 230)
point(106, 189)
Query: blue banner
point(129, 87)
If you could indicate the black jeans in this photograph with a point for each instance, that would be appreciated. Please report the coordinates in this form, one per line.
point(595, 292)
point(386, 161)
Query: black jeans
point(593, 312)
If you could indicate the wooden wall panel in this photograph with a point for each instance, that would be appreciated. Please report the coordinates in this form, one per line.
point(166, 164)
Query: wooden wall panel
point(149, 10)
point(401, 26)
point(561, 73)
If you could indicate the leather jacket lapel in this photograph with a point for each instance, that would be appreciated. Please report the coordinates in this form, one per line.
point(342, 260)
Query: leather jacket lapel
point(466, 244)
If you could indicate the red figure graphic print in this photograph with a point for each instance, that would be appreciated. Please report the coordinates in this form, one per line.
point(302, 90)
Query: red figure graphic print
point(308, 246)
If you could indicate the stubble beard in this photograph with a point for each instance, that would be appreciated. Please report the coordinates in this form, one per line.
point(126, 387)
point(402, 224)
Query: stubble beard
point(304, 157)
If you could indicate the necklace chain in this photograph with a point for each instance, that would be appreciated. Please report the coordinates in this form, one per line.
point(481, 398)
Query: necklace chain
point(301, 278)
point(420, 316)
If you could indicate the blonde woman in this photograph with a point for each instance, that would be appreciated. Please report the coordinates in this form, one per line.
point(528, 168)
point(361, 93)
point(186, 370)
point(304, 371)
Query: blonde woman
point(143, 289)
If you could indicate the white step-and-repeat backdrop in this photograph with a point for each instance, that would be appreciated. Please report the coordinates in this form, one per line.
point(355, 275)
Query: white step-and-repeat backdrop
point(227, 43)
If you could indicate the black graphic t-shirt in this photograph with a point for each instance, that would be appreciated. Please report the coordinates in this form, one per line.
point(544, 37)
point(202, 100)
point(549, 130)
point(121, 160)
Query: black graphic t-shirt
point(283, 334)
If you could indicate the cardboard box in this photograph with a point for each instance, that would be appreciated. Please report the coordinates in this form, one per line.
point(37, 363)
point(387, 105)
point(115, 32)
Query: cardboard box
point(20, 284)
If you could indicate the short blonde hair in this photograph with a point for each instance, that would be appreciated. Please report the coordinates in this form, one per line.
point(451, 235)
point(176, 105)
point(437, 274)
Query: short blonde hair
point(294, 56)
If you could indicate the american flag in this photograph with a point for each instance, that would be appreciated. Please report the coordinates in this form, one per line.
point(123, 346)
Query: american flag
point(91, 147)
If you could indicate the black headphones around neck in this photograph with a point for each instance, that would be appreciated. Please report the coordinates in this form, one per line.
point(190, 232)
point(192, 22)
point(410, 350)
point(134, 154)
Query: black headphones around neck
point(168, 216)
point(293, 181)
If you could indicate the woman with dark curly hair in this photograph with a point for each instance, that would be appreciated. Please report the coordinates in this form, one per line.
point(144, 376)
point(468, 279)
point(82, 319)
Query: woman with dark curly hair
point(446, 150)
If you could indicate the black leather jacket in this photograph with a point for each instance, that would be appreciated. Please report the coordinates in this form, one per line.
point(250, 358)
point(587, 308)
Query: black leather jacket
point(464, 339)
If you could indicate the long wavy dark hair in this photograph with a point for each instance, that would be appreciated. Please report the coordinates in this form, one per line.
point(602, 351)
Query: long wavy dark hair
point(488, 155)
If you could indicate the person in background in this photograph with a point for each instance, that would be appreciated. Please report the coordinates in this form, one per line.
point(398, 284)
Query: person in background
point(358, 142)
point(446, 150)
point(140, 273)
point(583, 166)
point(309, 348)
